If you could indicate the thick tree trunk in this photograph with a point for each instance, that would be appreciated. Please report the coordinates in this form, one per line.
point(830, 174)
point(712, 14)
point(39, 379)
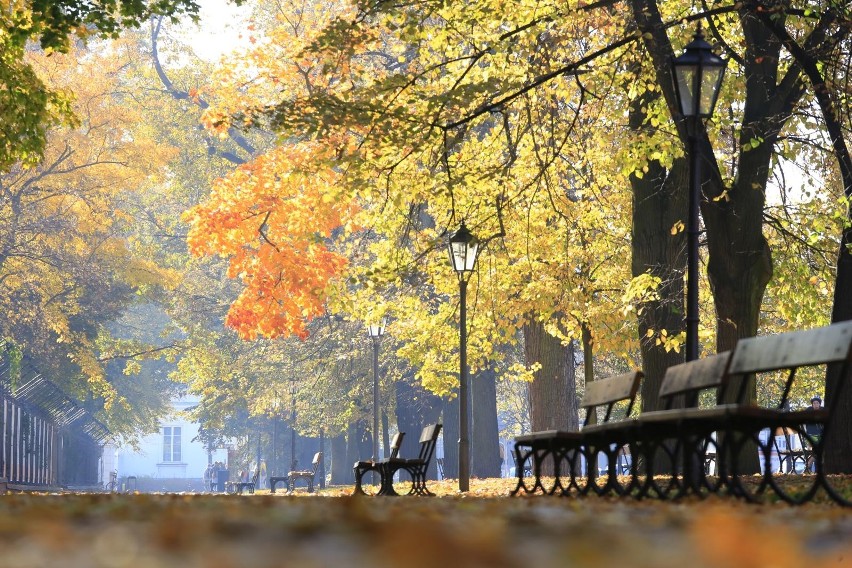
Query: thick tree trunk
point(838, 391)
point(588, 366)
point(359, 445)
point(451, 438)
point(341, 467)
point(485, 437)
point(659, 202)
point(739, 262)
point(553, 392)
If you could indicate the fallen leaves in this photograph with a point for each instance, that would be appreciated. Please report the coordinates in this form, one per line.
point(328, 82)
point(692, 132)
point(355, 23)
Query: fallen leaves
point(483, 528)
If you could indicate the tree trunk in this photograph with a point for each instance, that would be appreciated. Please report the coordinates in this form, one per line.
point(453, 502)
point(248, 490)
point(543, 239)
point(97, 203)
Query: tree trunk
point(359, 445)
point(659, 202)
point(451, 438)
point(553, 392)
point(588, 365)
point(739, 261)
point(341, 466)
point(485, 437)
point(838, 441)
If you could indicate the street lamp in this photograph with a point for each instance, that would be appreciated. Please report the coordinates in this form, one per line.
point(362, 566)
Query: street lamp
point(376, 331)
point(463, 248)
point(698, 74)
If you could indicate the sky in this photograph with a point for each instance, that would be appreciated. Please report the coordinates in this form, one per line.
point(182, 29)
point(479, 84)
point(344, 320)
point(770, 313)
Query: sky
point(219, 30)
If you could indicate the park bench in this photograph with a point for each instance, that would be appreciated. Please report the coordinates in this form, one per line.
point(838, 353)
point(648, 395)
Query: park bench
point(728, 433)
point(239, 487)
point(558, 448)
point(790, 355)
point(679, 440)
point(364, 466)
point(293, 476)
point(417, 467)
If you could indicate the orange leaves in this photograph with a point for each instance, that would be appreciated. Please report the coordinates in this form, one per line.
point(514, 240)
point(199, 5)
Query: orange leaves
point(274, 219)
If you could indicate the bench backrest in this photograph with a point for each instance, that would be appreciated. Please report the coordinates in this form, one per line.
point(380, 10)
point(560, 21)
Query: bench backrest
point(316, 461)
point(396, 443)
point(693, 377)
point(607, 392)
point(791, 351)
point(428, 439)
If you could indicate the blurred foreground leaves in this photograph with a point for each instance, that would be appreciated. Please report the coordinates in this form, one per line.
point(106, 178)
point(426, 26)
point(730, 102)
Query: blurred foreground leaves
point(483, 528)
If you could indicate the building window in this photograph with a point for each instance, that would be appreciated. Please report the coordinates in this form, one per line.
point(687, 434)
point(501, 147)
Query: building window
point(171, 443)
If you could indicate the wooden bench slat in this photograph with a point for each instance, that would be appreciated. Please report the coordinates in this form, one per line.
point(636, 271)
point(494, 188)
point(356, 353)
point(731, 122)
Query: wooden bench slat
point(793, 349)
point(695, 375)
point(611, 389)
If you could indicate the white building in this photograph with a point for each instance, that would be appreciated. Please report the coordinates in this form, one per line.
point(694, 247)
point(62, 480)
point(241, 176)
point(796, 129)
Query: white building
point(170, 460)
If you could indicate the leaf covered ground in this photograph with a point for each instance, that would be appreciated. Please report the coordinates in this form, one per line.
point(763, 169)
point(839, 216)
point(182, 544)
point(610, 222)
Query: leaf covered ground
point(484, 528)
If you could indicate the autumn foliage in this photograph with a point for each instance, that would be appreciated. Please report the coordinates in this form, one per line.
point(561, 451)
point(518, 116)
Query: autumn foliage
point(274, 218)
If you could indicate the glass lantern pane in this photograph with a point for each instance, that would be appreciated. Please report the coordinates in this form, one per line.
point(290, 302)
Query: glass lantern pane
point(686, 88)
point(711, 79)
point(458, 255)
point(471, 256)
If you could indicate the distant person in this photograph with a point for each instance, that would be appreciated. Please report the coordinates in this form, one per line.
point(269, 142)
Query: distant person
point(261, 481)
point(208, 478)
point(814, 432)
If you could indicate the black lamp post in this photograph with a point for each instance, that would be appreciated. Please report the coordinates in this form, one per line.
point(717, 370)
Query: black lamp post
point(376, 331)
point(463, 248)
point(698, 74)
point(293, 461)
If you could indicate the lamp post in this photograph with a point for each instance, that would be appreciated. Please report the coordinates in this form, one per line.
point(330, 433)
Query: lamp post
point(376, 331)
point(293, 461)
point(463, 248)
point(698, 74)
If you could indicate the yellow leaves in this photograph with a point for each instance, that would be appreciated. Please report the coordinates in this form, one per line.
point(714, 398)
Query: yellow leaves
point(668, 342)
point(820, 285)
point(132, 367)
point(523, 373)
point(642, 288)
point(678, 227)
